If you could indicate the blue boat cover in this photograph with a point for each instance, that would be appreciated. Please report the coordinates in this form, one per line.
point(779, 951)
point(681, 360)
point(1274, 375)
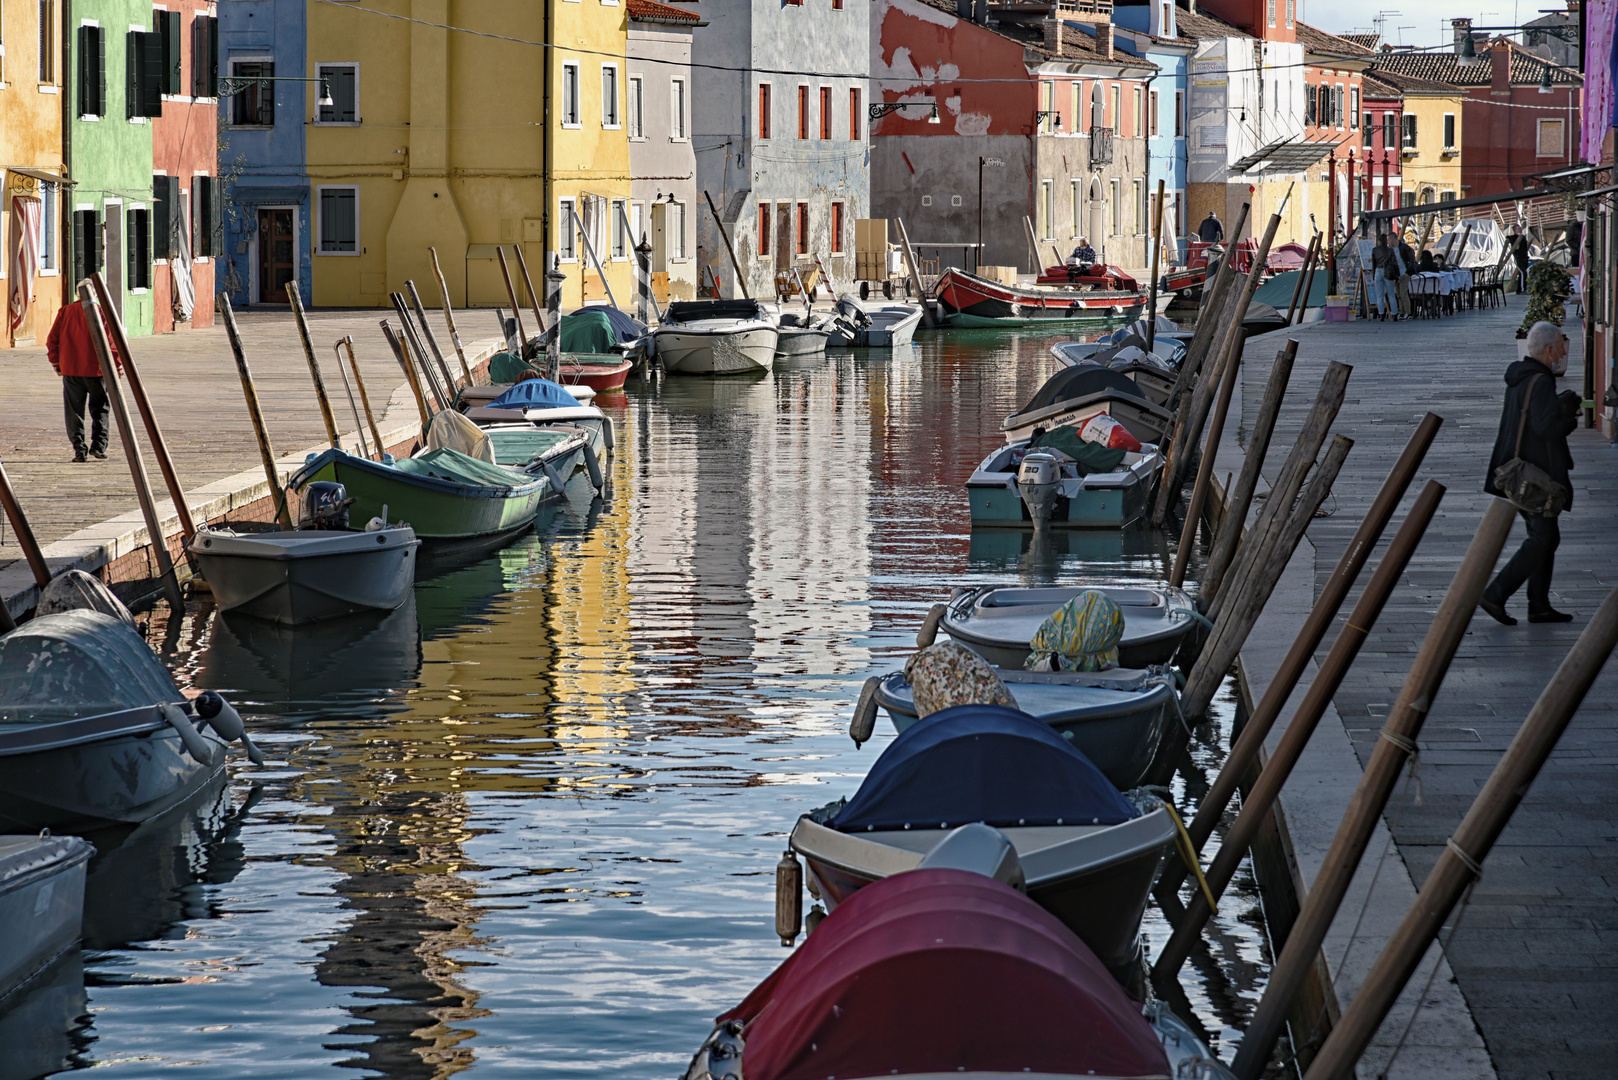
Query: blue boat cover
point(982, 763)
point(534, 394)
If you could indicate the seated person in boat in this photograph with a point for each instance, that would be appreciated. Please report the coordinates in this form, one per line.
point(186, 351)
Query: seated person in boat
point(1084, 255)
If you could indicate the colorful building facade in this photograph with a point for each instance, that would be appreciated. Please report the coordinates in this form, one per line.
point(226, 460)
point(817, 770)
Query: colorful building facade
point(657, 118)
point(185, 217)
point(33, 169)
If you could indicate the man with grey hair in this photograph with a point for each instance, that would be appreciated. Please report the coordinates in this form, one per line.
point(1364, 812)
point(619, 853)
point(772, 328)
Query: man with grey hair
point(1550, 418)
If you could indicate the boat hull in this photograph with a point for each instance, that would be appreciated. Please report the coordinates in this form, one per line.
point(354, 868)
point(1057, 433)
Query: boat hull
point(1097, 501)
point(445, 515)
point(890, 328)
point(970, 300)
point(997, 624)
point(716, 352)
point(601, 373)
point(358, 572)
point(801, 341)
point(41, 902)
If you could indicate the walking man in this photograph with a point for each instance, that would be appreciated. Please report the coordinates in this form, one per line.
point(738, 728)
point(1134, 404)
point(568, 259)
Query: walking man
point(1384, 273)
point(1519, 255)
point(1551, 417)
point(73, 355)
point(1407, 266)
point(1210, 231)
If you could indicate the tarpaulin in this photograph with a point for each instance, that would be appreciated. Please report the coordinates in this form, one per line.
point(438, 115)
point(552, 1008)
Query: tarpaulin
point(943, 971)
point(982, 763)
point(26, 213)
point(534, 394)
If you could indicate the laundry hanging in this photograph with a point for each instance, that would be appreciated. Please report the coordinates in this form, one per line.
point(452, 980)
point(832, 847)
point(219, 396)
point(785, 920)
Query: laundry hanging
point(26, 214)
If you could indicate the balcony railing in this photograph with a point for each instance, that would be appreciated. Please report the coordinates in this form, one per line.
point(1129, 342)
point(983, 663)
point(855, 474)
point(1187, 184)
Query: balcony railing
point(1100, 146)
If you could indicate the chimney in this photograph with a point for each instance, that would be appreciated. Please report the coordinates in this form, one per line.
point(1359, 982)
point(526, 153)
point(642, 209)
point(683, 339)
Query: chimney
point(1500, 69)
point(1104, 38)
point(1053, 33)
point(1462, 29)
point(963, 10)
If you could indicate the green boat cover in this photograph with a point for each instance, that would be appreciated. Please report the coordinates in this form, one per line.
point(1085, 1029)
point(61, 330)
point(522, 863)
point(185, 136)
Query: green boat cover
point(1277, 292)
point(519, 446)
point(504, 368)
point(1091, 458)
point(587, 330)
point(77, 663)
point(446, 464)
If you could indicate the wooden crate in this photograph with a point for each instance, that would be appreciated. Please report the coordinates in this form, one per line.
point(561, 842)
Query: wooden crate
point(1004, 275)
point(870, 234)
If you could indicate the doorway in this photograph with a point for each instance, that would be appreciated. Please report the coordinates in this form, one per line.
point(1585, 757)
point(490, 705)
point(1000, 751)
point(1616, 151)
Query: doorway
point(112, 217)
point(277, 255)
point(1098, 216)
point(783, 236)
point(660, 247)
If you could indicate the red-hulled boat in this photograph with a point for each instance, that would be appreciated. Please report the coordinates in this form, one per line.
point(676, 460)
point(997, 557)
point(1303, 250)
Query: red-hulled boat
point(944, 972)
point(1094, 276)
point(970, 300)
point(603, 373)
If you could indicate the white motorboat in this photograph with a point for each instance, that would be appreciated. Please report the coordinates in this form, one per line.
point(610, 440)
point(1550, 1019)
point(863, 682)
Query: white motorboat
point(804, 334)
point(303, 576)
point(875, 326)
point(716, 337)
point(998, 623)
point(41, 902)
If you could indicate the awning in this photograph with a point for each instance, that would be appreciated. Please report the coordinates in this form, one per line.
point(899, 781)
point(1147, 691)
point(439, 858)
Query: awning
point(1569, 179)
point(40, 174)
point(1287, 156)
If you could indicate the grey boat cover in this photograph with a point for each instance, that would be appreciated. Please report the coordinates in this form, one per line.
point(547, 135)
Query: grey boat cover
point(692, 310)
point(78, 663)
point(1078, 381)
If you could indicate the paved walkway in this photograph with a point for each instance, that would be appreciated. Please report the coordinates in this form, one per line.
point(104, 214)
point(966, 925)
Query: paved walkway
point(192, 381)
point(1536, 956)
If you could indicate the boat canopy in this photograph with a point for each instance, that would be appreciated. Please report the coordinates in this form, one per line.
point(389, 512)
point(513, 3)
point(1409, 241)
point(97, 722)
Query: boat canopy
point(534, 394)
point(597, 329)
point(1081, 380)
point(943, 971)
point(447, 464)
point(518, 446)
point(75, 664)
point(983, 763)
point(692, 310)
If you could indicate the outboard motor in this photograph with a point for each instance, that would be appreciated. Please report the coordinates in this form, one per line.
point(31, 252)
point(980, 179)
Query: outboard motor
point(325, 506)
point(980, 849)
point(1039, 479)
point(850, 308)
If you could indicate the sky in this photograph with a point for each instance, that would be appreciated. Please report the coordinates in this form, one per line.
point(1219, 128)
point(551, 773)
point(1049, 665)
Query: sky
point(1418, 22)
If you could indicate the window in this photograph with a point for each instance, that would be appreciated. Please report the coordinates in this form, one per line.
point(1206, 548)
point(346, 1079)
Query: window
point(1410, 131)
point(1117, 109)
point(1549, 143)
point(675, 224)
point(1047, 209)
point(1179, 114)
point(1117, 207)
point(620, 232)
point(1269, 11)
point(1078, 106)
point(854, 114)
point(1310, 111)
point(1449, 131)
point(1047, 105)
point(165, 211)
point(825, 112)
point(1153, 111)
point(205, 57)
point(567, 246)
point(803, 228)
point(1291, 6)
point(167, 26)
point(636, 104)
point(1353, 109)
point(204, 216)
point(764, 110)
point(763, 229)
point(47, 41)
point(836, 228)
point(86, 243)
point(343, 83)
point(593, 213)
point(1367, 130)
point(1073, 207)
point(92, 64)
point(339, 225)
point(803, 112)
point(609, 96)
point(49, 222)
point(570, 95)
point(1141, 215)
point(253, 105)
point(1390, 130)
point(1337, 106)
point(837, 5)
point(1140, 114)
point(138, 246)
point(677, 110)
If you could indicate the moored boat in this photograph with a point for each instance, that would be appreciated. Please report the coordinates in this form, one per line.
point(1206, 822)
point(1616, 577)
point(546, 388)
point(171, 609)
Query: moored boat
point(1021, 487)
point(1077, 393)
point(604, 373)
point(998, 623)
point(41, 902)
point(802, 334)
point(716, 337)
point(1154, 374)
point(969, 300)
point(307, 575)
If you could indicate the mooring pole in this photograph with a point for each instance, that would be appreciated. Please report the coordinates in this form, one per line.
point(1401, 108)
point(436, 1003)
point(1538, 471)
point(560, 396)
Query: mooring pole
point(296, 302)
point(25, 534)
point(397, 345)
point(449, 317)
point(1157, 250)
point(376, 436)
point(353, 406)
point(407, 333)
point(511, 291)
point(554, 279)
point(265, 452)
point(643, 282)
point(1297, 290)
point(724, 234)
point(1199, 490)
point(432, 339)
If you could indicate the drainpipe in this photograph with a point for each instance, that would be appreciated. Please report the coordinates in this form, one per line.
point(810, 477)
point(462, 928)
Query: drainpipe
point(68, 92)
point(549, 155)
point(1151, 118)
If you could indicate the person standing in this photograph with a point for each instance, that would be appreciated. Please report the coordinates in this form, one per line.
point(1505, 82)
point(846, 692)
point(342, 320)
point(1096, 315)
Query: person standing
point(1519, 255)
point(1211, 231)
point(72, 354)
point(1384, 272)
point(1407, 266)
point(1550, 418)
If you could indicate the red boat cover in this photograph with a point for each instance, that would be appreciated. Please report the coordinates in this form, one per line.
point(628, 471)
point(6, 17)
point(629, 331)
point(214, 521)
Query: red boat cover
point(942, 971)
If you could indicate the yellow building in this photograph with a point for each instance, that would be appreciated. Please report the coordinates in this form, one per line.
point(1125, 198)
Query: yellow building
point(31, 167)
point(436, 137)
point(1431, 142)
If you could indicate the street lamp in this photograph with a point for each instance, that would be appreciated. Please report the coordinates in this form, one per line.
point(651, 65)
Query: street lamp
point(995, 163)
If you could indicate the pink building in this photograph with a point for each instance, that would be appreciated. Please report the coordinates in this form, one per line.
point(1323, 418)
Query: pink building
point(185, 188)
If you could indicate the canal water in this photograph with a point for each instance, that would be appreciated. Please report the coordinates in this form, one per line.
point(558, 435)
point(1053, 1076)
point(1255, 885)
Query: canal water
point(527, 825)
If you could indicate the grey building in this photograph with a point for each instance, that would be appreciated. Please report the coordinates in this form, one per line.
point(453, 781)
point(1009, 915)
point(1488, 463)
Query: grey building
point(664, 201)
point(784, 155)
point(1554, 36)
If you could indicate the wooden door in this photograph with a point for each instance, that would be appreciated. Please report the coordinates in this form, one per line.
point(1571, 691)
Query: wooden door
point(785, 238)
point(660, 238)
point(277, 256)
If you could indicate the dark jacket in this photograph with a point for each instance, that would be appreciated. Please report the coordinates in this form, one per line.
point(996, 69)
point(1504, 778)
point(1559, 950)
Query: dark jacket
point(1210, 231)
point(1408, 254)
point(1381, 256)
point(1519, 252)
point(1544, 440)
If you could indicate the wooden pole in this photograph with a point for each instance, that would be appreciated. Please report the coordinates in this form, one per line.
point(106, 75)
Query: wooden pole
point(25, 533)
point(511, 291)
point(554, 279)
point(528, 282)
point(432, 340)
point(724, 234)
point(449, 320)
point(265, 452)
point(590, 250)
point(407, 334)
point(1199, 491)
point(376, 436)
point(409, 369)
point(148, 416)
point(915, 273)
point(1231, 629)
point(1256, 804)
point(353, 406)
point(1157, 248)
point(1387, 761)
point(1239, 500)
point(1309, 282)
point(314, 368)
point(1033, 241)
point(1214, 300)
point(1297, 291)
point(1461, 859)
point(644, 303)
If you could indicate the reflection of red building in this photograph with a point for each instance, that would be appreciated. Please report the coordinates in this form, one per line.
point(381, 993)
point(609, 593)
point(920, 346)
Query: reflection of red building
point(184, 191)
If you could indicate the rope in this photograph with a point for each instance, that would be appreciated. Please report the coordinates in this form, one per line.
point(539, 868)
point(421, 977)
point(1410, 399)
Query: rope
point(1188, 855)
point(1403, 742)
point(1433, 975)
point(1473, 867)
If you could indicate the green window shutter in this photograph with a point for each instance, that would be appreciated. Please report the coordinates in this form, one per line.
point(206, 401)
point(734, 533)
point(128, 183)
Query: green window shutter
point(168, 26)
point(101, 71)
point(132, 66)
point(152, 74)
point(79, 240)
point(162, 207)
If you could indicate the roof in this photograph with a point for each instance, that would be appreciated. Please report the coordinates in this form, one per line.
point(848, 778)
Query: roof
point(1077, 46)
point(1364, 41)
point(1380, 82)
point(1286, 156)
point(654, 12)
point(1200, 27)
point(1447, 67)
point(1318, 41)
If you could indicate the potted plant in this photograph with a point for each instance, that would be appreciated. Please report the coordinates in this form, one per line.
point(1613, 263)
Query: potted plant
point(1549, 286)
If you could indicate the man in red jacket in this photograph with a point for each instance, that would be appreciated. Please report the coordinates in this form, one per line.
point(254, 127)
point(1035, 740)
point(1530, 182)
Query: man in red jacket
point(73, 355)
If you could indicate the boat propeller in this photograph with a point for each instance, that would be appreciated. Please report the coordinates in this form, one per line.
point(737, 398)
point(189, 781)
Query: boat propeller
point(222, 716)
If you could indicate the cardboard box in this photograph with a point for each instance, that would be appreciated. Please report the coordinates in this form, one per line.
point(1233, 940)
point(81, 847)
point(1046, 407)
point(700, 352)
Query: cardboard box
point(1003, 275)
point(870, 234)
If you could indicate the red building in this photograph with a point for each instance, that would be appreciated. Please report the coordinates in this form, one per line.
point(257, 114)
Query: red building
point(184, 168)
point(1381, 107)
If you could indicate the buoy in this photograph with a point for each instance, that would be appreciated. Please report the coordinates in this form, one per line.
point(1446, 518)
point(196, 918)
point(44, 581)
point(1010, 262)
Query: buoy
point(607, 438)
point(594, 466)
point(195, 744)
point(929, 626)
point(222, 716)
point(788, 897)
point(817, 915)
point(864, 721)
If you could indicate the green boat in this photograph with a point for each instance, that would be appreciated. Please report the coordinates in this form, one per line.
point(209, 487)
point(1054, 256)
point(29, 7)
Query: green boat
point(455, 503)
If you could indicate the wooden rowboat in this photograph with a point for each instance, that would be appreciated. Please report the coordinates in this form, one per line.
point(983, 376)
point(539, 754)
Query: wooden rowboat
point(970, 300)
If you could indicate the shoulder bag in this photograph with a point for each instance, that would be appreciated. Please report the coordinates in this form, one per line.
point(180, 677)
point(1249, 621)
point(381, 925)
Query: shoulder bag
point(1528, 487)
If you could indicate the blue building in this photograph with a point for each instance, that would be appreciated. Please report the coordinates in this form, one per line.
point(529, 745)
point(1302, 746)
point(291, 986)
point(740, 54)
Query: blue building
point(1149, 31)
point(262, 169)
